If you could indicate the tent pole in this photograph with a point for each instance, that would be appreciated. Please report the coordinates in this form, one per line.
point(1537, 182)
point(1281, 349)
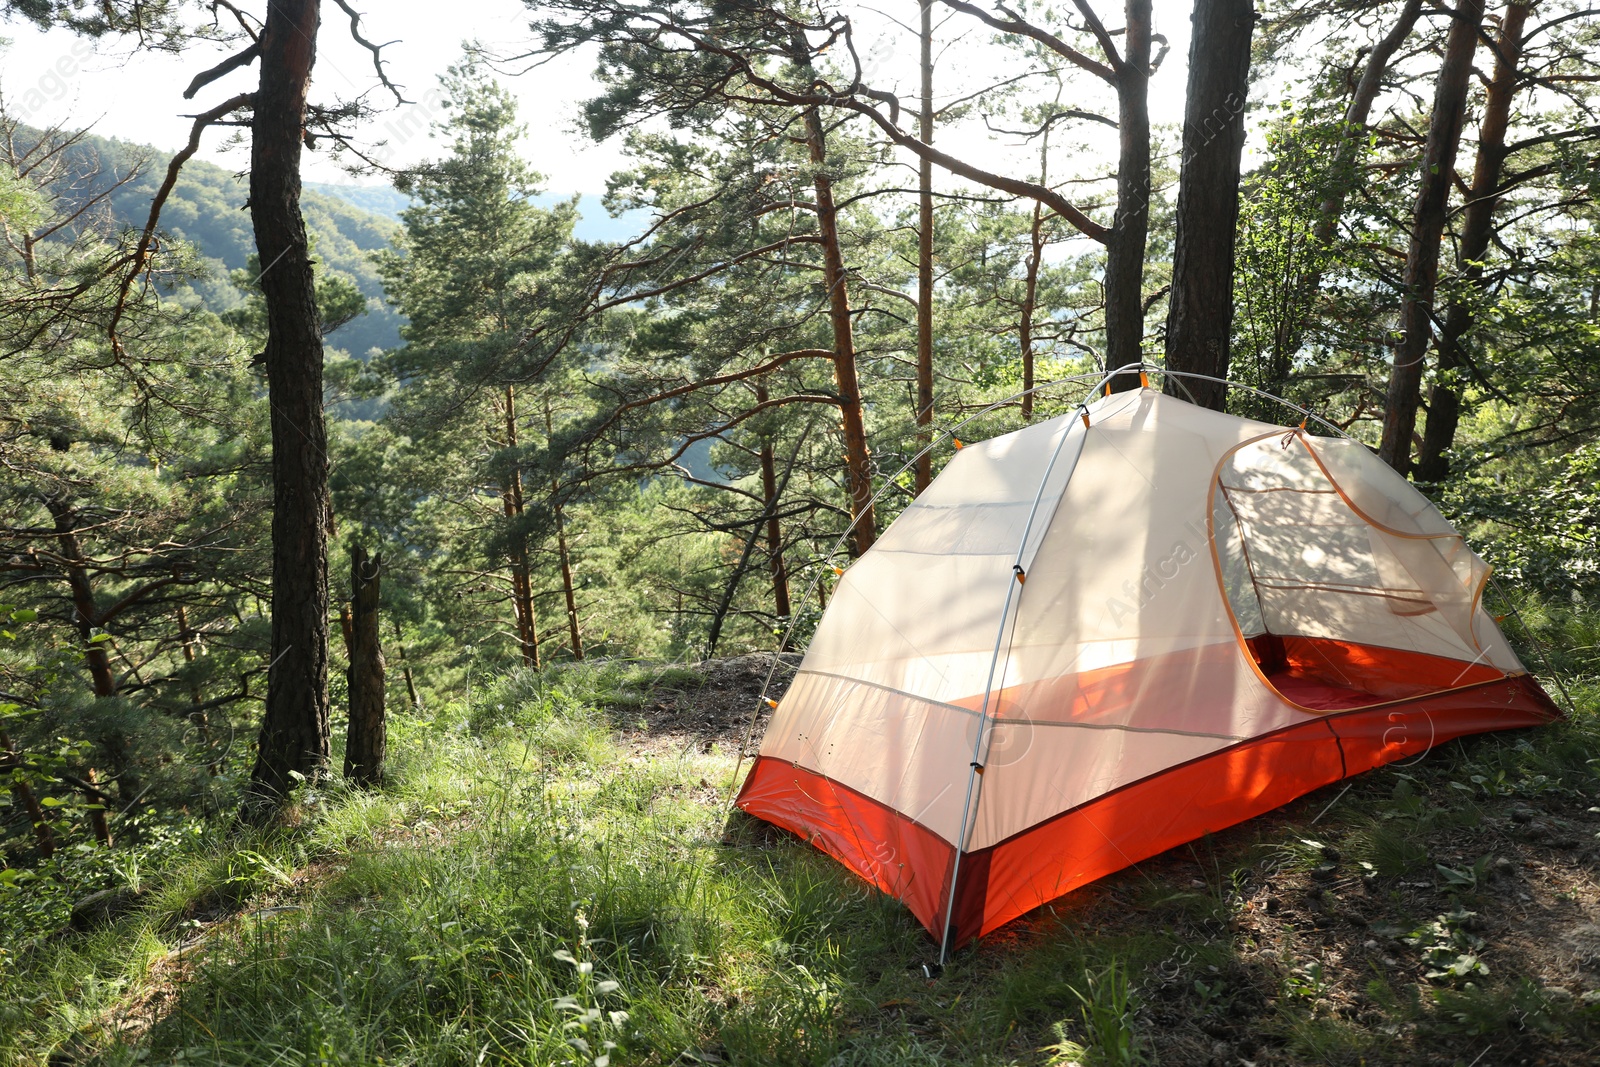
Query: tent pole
point(1013, 591)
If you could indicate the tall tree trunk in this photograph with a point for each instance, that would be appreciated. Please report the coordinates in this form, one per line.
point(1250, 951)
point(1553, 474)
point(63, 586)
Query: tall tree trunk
point(1200, 312)
point(858, 461)
point(85, 613)
point(1125, 245)
point(1356, 113)
point(294, 730)
point(366, 743)
point(10, 763)
point(1477, 226)
point(573, 633)
point(1427, 229)
point(405, 664)
point(561, 547)
point(197, 717)
point(521, 570)
point(97, 809)
point(86, 617)
point(924, 468)
point(1030, 282)
point(769, 496)
point(765, 523)
point(1030, 301)
point(1345, 175)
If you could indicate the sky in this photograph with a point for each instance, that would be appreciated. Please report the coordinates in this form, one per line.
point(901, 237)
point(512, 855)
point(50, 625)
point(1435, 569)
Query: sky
point(55, 77)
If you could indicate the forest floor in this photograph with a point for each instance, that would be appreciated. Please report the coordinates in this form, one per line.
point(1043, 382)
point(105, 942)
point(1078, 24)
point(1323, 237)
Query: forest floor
point(554, 877)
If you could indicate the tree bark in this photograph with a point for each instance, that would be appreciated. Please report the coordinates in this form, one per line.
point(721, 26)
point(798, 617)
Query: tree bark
point(563, 555)
point(367, 740)
point(1356, 113)
point(294, 736)
point(197, 717)
point(405, 664)
point(924, 468)
point(521, 570)
point(1347, 157)
point(86, 617)
point(1125, 245)
point(10, 763)
point(85, 613)
point(765, 523)
point(1200, 311)
point(858, 460)
point(1030, 282)
point(1030, 301)
point(1477, 226)
point(769, 495)
point(1427, 230)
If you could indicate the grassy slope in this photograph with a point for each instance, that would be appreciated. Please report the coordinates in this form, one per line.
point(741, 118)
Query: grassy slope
point(537, 887)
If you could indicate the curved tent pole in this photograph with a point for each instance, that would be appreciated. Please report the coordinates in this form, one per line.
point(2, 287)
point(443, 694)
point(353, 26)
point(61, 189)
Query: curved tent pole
point(1014, 587)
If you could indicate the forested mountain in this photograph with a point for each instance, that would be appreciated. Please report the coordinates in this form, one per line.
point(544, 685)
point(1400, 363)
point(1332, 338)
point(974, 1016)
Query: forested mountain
point(206, 210)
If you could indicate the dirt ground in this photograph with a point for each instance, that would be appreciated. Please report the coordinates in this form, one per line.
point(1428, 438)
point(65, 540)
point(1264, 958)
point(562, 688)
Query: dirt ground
point(678, 714)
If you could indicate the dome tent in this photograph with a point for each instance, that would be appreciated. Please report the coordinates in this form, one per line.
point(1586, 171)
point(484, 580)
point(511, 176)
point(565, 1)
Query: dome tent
point(1109, 633)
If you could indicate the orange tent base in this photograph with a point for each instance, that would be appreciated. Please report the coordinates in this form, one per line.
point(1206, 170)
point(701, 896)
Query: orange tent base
point(1130, 824)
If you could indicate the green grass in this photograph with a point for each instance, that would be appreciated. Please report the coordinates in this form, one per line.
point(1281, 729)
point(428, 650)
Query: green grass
point(525, 893)
point(528, 892)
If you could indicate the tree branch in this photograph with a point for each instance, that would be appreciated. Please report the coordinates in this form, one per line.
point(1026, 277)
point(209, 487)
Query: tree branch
point(375, 49)
point(141, 253)
point(232, 63)
point(1015, 24)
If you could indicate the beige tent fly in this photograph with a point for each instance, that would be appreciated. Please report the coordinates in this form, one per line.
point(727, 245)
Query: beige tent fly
point(1112, 632)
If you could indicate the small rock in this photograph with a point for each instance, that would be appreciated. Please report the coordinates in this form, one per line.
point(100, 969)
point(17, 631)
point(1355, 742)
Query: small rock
point(1522, 815)
point(1503, 868)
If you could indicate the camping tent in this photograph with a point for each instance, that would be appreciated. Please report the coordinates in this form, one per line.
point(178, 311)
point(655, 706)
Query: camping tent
point(1109, 633)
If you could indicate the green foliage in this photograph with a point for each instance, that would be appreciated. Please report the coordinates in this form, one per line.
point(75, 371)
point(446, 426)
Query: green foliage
point(1449, 947)
point(1107, 1017)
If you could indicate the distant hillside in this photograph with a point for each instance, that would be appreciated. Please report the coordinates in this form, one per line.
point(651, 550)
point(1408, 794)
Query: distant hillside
point(347, 222)
point(383, 200)
point(594, 222)
point(207, 210)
